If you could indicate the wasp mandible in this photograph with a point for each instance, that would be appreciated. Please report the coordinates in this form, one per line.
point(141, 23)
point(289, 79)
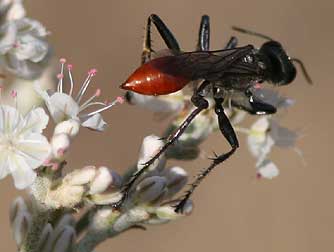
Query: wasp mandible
point(219, 73)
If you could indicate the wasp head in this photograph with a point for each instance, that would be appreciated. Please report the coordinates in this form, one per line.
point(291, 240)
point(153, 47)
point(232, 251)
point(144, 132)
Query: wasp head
point(279, 67)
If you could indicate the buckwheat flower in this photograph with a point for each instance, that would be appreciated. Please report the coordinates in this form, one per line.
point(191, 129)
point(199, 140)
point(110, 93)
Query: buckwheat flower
point(259, 140)
point(64, 106)
point(265, 134)
point(23, 48)
point(23, 148)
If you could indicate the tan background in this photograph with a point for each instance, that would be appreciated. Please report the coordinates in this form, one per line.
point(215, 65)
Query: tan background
point(234, 211)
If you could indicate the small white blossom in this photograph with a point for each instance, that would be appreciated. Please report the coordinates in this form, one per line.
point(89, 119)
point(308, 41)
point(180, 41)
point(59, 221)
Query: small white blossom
point(22, 146)
point(263, 135)
point(63, 106)
point(23, 48)
point(267, 170)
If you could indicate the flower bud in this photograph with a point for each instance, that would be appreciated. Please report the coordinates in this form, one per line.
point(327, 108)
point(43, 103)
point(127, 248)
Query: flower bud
point(103, 179)
point(70, 127)
point(21, 226)
point(129, 218)
point(81, 176)
point(106, 198)
point(176, 179)
point(45, 239)
point(150, 189)
point(151, 145)
point(18, 207)
point(64, 241)
point(59, 145)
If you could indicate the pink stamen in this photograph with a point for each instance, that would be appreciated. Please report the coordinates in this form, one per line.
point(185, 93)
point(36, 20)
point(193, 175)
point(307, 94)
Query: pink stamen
point(258, 175)
point(120, 99)
point(98, 92)
point(62, 60)
point(13, 93)
point(60, 76)
point(92, 72)
point(69, 66)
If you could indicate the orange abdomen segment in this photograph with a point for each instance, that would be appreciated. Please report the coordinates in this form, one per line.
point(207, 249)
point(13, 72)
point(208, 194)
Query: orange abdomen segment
point(157, 77)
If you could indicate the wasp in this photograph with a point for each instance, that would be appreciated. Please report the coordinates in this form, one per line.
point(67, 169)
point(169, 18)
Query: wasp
point(230, 73)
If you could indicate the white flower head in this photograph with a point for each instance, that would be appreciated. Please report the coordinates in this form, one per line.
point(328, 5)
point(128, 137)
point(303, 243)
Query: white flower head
point(64, 106)
point(23, 48)
point(23, 148)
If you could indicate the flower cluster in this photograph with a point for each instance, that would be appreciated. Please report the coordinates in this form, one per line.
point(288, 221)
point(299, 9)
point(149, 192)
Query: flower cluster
point(264, 134)
point(37, 163)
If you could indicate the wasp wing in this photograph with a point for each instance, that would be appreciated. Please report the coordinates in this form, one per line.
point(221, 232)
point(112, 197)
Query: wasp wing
point(213, 65)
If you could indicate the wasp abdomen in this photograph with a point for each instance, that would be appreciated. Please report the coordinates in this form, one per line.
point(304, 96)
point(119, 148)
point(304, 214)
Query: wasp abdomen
point(157, 77)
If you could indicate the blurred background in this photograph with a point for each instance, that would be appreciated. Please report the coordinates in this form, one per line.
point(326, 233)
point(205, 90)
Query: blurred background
point(234, 211)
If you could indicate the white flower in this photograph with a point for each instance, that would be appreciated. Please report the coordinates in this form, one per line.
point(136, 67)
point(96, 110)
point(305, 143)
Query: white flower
point(263, 135)
point(63, 106)
point(22, 146)
point(259, 141)
point(23, 48)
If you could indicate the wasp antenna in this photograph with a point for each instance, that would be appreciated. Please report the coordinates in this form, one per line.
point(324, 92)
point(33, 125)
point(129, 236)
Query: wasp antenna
point(242, 30)
point(303, 68)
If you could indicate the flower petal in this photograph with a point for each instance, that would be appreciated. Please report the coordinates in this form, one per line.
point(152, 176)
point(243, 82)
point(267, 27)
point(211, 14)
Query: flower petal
point(22, 173)
point(34, 148)
point(267, 170)
point(8, 34)
point(35, 121)
point(95, 122)
point(62, 107)
point(283, 137)
point(10, 118)
point(4, 165)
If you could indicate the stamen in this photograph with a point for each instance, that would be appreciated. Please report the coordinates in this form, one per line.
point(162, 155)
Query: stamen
point(91, 73)
point(61, 75)
point(86, 103)
point(69, 68)
point(118, 100)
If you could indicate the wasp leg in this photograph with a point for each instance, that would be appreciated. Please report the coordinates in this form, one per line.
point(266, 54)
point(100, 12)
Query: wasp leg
point(203, 43)
point(228, 132)
point(201, 104)
point(232, 43)
point(164, 32)
point(259, 107)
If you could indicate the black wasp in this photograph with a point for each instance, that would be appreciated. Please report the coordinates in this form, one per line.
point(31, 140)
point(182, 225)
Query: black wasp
point(232, 70)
